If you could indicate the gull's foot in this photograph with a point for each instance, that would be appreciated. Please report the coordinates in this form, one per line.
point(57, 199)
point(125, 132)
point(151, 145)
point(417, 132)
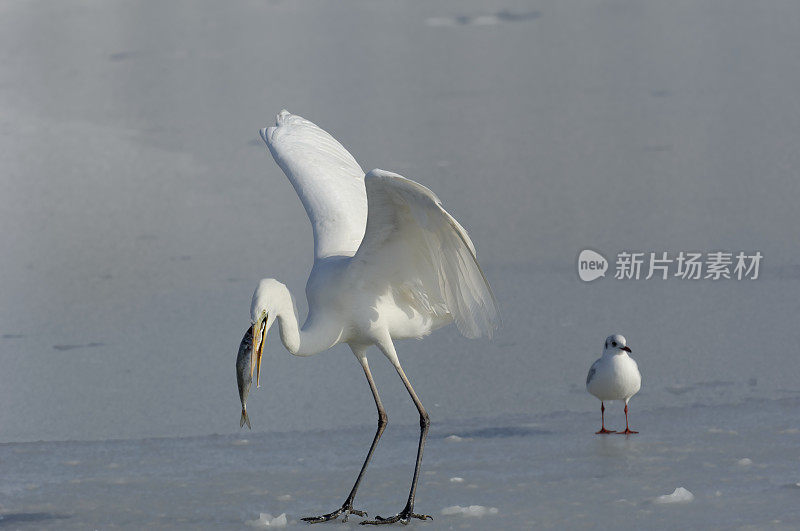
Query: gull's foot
point(345, 510)
point(403, 517)
point(603, 430)
point(627, 431)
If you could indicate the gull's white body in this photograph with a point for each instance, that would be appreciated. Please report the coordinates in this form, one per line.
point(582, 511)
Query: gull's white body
point(616, 377)
point(389, 263)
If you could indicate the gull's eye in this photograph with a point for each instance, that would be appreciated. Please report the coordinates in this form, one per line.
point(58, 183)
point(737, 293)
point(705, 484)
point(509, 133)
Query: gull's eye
point(614, 344)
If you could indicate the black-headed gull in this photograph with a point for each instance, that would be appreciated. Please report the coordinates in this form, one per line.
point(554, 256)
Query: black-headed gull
point(615, 376)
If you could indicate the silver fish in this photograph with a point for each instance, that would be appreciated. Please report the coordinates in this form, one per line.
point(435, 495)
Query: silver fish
point(244, 373)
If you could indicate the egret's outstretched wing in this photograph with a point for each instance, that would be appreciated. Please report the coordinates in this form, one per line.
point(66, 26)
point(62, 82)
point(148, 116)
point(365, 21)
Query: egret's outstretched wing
point(425, 255)
point(327, 178)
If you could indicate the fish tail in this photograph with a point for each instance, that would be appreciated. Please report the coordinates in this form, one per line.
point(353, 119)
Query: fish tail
point(245, 419)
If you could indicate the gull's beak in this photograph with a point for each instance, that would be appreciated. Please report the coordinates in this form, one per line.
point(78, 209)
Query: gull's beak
point(259, 338)
point(626, 348)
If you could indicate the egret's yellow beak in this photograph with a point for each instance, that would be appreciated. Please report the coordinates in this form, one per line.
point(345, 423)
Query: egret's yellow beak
point(259, 338)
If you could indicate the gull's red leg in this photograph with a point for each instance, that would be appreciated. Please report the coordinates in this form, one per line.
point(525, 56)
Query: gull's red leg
point(627, 429)
point(603, 420)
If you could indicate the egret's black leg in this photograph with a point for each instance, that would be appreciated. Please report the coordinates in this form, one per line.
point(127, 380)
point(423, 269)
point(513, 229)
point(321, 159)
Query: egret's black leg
point(408, 513)
point(347, 507)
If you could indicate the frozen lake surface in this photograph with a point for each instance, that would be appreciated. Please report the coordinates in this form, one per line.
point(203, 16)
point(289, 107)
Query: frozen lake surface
point(139, 209)
point(535, 472)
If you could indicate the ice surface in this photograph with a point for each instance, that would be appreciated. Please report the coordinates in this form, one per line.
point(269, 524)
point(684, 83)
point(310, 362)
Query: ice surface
point(538, 471)
point(679, 495)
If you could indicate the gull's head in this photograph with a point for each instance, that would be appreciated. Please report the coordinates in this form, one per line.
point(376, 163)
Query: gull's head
point(262, 315)
point(615, 343)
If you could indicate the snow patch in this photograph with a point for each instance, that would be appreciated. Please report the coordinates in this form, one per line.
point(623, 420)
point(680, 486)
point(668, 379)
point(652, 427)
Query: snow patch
point(456, 480)
point(472, 510)
point(679, 495)
point(745, 461)
point(285, 497)
point(453, 438)
point(266, 520)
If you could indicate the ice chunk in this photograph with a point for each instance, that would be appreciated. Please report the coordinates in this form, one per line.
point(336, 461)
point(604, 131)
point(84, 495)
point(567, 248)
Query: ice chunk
point(456, 480)
point(285, 497)
point(453, 438)
point(745, 461)
point(266, 520)
point(679, 495)
point(472, 510)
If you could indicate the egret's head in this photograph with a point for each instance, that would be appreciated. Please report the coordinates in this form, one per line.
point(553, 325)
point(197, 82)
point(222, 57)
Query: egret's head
point(616, 343)
point(262, 315)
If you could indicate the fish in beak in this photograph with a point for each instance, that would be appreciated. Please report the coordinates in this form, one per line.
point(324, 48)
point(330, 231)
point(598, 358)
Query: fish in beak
point(244, 374)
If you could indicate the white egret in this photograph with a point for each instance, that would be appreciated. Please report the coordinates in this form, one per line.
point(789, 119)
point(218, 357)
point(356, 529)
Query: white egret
point(389, 263)
point(615, 376)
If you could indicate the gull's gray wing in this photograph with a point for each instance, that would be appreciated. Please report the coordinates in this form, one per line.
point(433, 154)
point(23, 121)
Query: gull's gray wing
point(592, 371)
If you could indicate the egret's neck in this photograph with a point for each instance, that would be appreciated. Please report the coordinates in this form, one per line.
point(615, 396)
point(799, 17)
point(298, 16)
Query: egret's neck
point(315, 336)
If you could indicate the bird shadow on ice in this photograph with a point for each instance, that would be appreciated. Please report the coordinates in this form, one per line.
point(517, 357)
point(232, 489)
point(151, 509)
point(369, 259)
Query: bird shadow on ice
point(12, 519)
point(498, 432)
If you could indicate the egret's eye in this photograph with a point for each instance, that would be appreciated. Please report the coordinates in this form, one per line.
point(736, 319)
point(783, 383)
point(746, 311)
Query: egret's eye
point(614, 344)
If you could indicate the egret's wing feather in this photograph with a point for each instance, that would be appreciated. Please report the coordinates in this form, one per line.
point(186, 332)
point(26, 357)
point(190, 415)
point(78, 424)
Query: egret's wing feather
point(416, 246)
point(327, 178)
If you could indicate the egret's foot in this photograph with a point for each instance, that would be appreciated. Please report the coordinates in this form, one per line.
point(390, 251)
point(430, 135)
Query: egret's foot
point(627, 431)
point(345, 510)
point(603, 430)
point(403, 517)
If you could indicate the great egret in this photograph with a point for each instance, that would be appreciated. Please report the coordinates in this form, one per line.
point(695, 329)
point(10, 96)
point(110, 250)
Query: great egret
point(389, 263)
point(615, 376)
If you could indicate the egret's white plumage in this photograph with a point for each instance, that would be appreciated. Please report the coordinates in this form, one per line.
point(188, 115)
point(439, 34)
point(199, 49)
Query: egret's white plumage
point(389, 263)
point(328, 180)
point(615, 376)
